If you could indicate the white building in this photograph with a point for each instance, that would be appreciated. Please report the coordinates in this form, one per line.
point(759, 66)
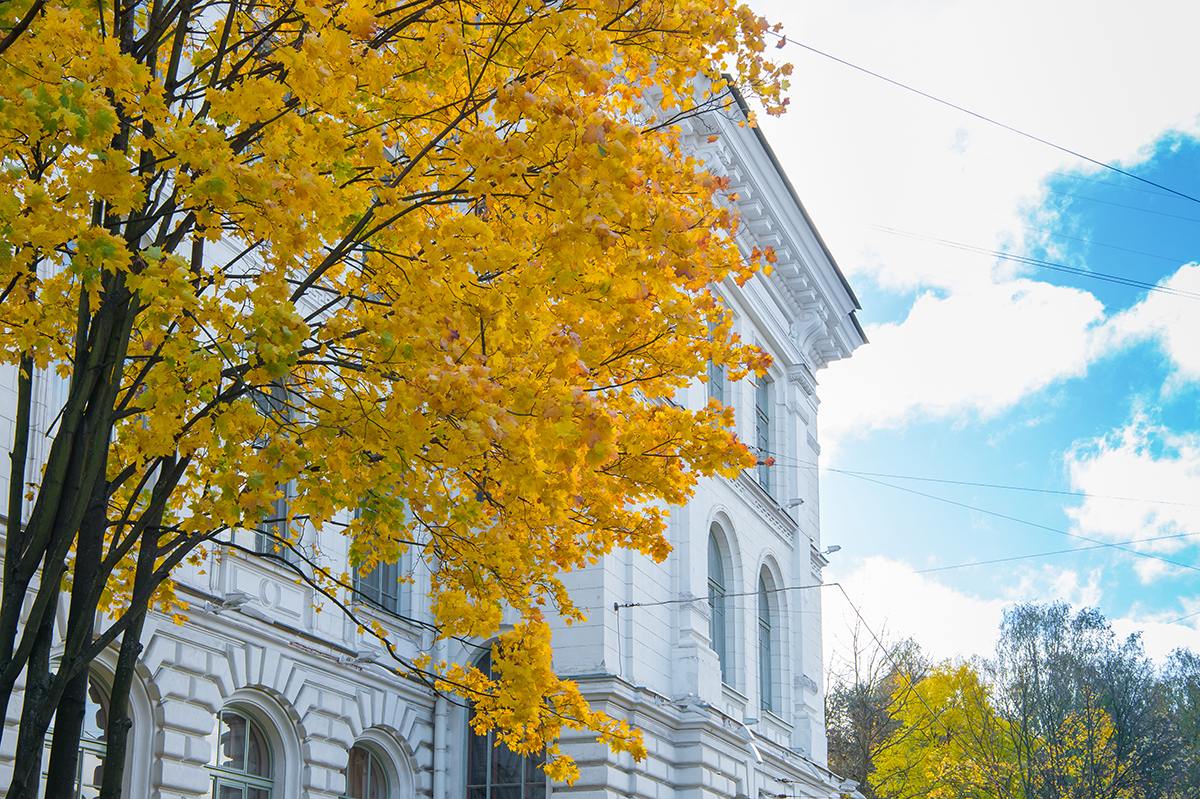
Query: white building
point(715, 654)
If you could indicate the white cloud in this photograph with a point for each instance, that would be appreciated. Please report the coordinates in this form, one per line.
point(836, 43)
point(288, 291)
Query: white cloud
point(976, 351)
point(1172, 320)
point(898, 603)
point(863, 153)
point(1143, 481)
point(892, 597)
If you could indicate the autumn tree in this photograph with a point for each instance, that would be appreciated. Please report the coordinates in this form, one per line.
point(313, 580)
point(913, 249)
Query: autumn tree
point(440, 261)
point(949, 743)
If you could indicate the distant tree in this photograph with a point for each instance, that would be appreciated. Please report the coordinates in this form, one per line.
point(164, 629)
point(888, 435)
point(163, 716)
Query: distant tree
point(1084, 708)
point(860, 708)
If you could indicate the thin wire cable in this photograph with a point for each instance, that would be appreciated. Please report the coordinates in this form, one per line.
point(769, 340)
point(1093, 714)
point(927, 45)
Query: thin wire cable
point(969, 483)
point(1034, 524)
point(1005, 516)
point(1052, 233)
point(992, 121)
point(895, 666)
point(1047, 554)
point(1043, 264)
point(1122, 205)
point(619, 605)
point(854, 473)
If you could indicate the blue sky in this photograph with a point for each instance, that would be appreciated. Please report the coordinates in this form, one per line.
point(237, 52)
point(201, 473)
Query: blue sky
point(988, 371)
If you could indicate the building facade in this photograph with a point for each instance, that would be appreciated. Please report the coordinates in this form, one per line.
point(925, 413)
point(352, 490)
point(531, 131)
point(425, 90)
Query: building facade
point(267, 691)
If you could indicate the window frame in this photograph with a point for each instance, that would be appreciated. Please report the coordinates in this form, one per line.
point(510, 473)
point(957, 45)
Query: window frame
point(763, 391)
point(272, 531)
point(766, 649)
point(528, 763)
point(96, 747)
point(375, 580)
point(718, 611)
point(223, 776)
point(371, 758)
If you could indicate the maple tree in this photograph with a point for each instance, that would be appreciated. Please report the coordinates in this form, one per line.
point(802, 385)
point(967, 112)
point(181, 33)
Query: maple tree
point(439, 262)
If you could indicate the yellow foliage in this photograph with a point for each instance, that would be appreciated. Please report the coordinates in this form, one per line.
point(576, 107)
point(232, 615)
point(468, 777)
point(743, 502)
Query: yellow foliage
point(460, 239)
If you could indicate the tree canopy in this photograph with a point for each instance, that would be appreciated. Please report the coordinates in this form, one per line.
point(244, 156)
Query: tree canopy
point(440, 262)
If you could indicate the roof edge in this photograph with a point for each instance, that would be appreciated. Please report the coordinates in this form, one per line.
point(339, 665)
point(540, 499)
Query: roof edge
point(766, 145)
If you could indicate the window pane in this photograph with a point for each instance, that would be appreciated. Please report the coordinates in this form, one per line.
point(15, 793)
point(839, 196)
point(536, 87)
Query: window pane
point(229, 792)
point(91, 769)
point(377, 782)
point(258, 793)
point(95, 720)
point(533, 768)
point(506, 766)
point(510, 792)
point(535, 791)
point(477, 757)
point(356, 774)
point(258, 756)
point(232, 747)
point(477, 793)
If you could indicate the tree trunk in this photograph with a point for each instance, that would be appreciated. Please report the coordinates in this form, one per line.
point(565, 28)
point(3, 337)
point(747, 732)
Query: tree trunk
point(35, 716)
point(68, 723)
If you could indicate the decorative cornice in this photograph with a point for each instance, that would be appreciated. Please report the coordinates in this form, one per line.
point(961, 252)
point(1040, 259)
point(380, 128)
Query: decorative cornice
point(778, 519)
point(803, 377)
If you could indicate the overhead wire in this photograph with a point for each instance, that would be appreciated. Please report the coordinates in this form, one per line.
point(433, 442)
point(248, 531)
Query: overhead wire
point(991, 121)
point(1043, 264)
point(997, 514)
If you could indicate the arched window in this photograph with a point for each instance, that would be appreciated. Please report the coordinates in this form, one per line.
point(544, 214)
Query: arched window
point(89, 767)
point(718, 624)
point(496, 772)
point(766, 649)
point(243, 768)
point(365, 776)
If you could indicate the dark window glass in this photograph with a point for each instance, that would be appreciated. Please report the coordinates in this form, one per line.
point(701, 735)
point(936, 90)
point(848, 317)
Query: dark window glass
point(717, 623)
point(274, 405)
point(766, 654)
point(496, 772)
point(762, 431)
point(364, 776)
point(716, 382)
point(381, 586)
point(243, 767)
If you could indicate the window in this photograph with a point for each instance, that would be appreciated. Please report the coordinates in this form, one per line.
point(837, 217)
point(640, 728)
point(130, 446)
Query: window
point(496, 772)
point(89, 768)
point(382, 587)
point(766, 651)
point(243, 767)
point(716, 382)
point(717, 623)
point(762, 431)
point(273, 529)
point(364, 776)
point(274, 404)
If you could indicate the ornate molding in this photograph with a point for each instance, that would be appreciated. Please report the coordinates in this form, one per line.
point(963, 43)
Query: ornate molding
point(803, 377)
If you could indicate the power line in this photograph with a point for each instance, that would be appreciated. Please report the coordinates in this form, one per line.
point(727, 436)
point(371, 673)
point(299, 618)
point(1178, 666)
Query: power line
point(681, 601)
point(1122, 205)
point(1033, 524)
point(1166, 258)
point(992, 121)
point(1043, 264)
point(1083, 494)
point(1109, 544)
point(1047, 554)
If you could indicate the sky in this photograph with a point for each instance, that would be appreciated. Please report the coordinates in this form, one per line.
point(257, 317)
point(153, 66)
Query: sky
point(1079, 394)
